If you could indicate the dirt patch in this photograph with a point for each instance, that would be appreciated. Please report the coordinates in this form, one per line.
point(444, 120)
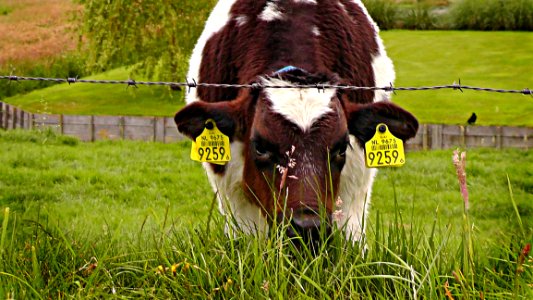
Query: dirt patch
point(34, 30)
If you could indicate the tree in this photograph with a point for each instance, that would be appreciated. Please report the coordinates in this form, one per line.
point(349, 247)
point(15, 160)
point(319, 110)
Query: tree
point(154, 36)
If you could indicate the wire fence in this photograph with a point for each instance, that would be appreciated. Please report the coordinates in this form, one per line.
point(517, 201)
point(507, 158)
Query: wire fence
point(194, 84)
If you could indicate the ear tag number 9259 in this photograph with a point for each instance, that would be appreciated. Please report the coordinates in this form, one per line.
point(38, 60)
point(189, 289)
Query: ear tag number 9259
point(211, 146)
point(384, 149)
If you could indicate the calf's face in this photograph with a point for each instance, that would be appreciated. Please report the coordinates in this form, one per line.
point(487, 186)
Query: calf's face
point(295, 144)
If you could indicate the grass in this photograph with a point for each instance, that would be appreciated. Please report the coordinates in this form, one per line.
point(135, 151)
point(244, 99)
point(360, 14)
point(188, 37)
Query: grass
point(93, 220)
point(99, 99)
point(488, 59)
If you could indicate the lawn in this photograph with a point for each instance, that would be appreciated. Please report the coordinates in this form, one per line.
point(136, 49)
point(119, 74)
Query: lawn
point(485, 59)
point(422, 58)
point(92, 219)
point(100, 99)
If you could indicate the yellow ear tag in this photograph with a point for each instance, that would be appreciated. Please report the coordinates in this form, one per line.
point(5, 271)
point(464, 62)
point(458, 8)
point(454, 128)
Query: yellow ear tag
point(384, 149)
point(211, 146)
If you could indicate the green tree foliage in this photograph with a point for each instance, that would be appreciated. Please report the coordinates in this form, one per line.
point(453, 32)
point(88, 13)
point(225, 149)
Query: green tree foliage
point(154, 35)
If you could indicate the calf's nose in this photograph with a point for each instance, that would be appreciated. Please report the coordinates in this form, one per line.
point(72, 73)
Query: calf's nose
point(309, 225)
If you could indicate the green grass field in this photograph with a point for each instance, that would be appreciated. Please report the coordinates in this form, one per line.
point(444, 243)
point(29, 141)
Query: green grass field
point(422, 58)
point(92, 220)
point(485, 59)
point(100, 99)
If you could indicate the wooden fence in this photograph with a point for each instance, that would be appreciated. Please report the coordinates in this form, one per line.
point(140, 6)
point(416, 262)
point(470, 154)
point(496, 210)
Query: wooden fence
point(93, 128)
point(163, 129)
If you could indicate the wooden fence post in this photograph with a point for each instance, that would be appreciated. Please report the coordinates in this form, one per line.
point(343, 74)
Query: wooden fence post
point(21, 121)
point(164, 130)
point(14, 118)
point(61, 124)
point(154, 122)
point(122, 124)
point(2, 115)
point(436, 137)
point(424, 137)
point(93, 134)
point(462, 137)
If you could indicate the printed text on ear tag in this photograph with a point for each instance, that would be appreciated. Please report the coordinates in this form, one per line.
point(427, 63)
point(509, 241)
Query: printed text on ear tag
point(384, 149)
point(211, 145)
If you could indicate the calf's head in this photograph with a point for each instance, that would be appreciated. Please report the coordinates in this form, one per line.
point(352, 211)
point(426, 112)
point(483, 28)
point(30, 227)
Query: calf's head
point(295, 144)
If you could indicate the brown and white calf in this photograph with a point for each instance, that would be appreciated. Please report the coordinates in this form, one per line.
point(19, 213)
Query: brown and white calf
point(294, 151)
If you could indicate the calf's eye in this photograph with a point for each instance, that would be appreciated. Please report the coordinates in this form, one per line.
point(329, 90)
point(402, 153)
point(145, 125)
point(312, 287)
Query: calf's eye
point(261, 152)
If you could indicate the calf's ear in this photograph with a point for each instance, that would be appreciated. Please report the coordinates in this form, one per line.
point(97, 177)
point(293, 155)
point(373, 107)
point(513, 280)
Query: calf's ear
point(364, 118)
point(191, 119)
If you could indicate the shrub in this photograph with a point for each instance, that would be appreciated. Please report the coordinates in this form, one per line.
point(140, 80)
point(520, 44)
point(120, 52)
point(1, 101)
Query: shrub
point(419, 17)
point(67, 65)
point(493, 15)
point(383, 12)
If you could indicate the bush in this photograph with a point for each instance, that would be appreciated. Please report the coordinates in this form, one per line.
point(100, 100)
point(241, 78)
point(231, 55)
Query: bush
point(383, 12)
point(67, 65)
point(419, 17)
point(493, 15)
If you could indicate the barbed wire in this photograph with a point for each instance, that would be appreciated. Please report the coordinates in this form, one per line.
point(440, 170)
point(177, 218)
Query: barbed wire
point(194, 84)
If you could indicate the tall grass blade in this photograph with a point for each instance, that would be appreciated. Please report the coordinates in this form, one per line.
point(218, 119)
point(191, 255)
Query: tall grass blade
point(515, 207)
point(4, 229)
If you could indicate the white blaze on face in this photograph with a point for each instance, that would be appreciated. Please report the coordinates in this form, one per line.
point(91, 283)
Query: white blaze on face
point(302, 107)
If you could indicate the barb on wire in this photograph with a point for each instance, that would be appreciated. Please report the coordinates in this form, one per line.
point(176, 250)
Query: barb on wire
point(321, 87)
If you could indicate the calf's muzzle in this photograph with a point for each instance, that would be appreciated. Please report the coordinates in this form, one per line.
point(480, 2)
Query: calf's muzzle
point(307, 224)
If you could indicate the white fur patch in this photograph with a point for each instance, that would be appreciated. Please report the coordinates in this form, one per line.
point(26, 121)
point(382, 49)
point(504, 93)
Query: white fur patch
point(354, 190)
point(271, 12)
point(382, 65)
point(384, 74)
point(218, 18)
point(241, 20)
point(305, 1)
point(315, 31)
point(302, 107)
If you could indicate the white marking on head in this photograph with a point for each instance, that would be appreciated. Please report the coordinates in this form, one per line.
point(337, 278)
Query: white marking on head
point(271, 12)
point(302, 107)
point(241, 20)
point(305, 1)
point(216, 21)
point(315, 31)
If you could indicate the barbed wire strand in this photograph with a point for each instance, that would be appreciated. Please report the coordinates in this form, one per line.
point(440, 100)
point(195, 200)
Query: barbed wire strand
point(194, 84)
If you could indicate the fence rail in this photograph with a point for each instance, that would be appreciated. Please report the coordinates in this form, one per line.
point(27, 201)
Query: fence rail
point(163, 129)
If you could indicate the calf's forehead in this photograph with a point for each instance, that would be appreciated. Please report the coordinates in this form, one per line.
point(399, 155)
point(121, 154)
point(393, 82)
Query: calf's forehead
point(301, 118)
point(302, 107)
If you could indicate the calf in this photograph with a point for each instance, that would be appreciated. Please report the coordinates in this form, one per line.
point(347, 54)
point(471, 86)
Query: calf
point(295, 151)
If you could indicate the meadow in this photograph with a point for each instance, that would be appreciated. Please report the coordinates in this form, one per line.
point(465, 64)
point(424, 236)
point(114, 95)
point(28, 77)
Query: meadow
point(125, 219)
point(134, 219)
